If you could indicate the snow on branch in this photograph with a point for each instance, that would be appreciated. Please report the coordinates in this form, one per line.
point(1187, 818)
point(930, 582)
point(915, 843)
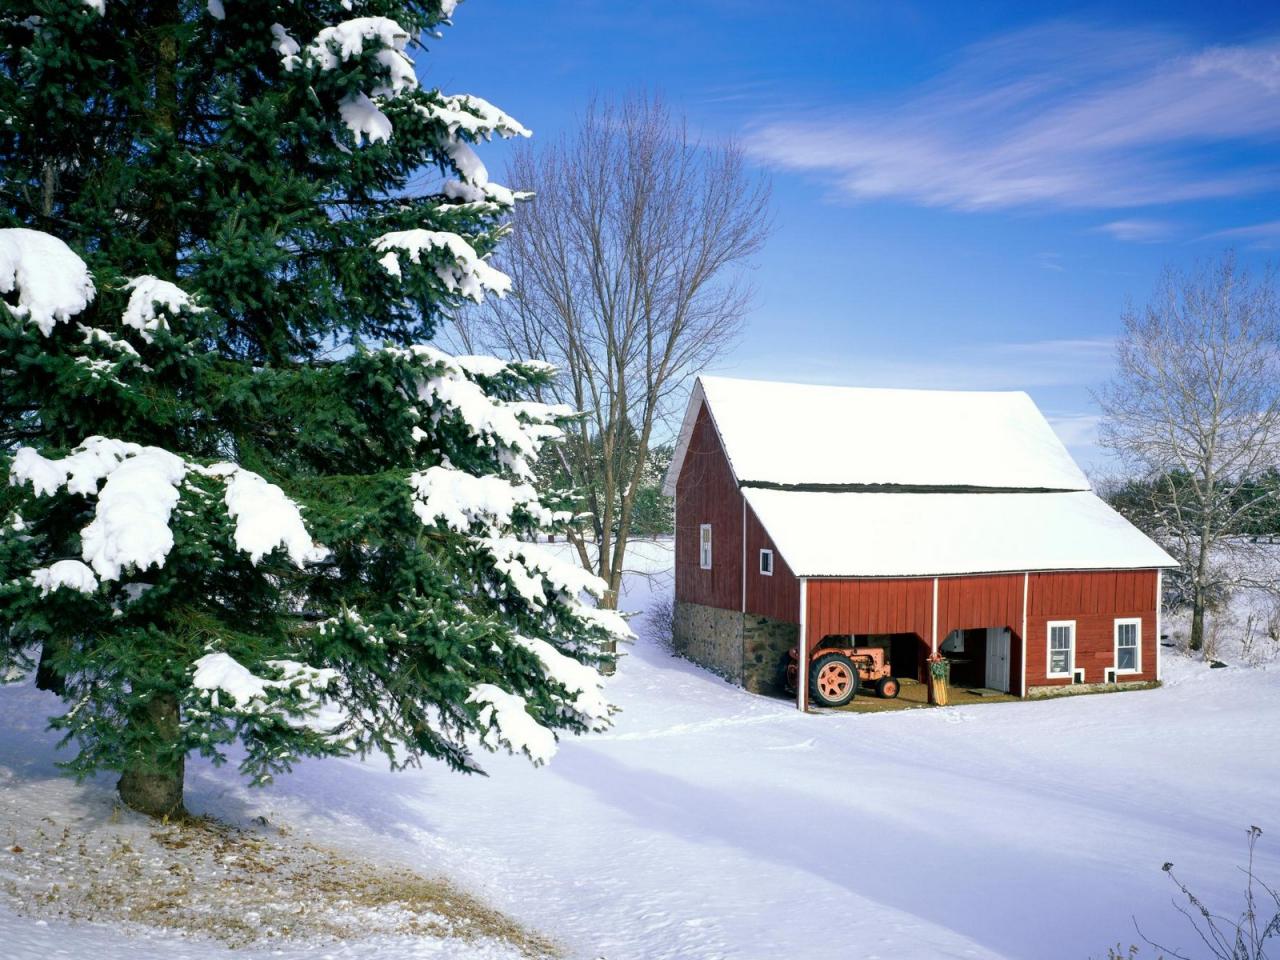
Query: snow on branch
point(219, 674)
point(581, 680)
point(52, 282)
point(265, 518)
point(139, 490)
point(464, 118)
point(467, 162)
point(461, 269)
point(284, 43)
point(530, 569)
point(335, 45)
point(364, 119)
point(474, 116)
point(459, 499)
point(95, 336)
point(610, 621)
point(65, 574)
point(130, 527)
point(494, 194)
point(506, 718)
point(80, 472)
point(348, 40)
point(148, 293)
point(516, 430)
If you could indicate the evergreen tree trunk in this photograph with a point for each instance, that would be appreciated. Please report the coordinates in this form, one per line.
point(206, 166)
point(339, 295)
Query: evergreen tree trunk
point(47, 676)
point(167, 20)
point(152, 782)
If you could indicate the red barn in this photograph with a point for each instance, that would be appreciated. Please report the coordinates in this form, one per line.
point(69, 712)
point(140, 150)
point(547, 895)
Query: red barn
point(912, 520)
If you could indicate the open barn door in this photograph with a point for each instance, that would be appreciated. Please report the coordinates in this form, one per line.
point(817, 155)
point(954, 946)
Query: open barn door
point(998, 658)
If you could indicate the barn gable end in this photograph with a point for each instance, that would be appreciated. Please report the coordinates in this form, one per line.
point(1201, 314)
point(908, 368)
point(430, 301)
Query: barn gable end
point(731, 618)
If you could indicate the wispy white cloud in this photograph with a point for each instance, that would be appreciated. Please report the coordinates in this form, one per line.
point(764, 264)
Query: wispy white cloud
point(1260, 235)
point(1060, 115)
point(1139, 230)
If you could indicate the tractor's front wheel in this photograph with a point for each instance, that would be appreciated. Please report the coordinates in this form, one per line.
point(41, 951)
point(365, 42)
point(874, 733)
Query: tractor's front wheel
point(887, 687)
point(833, 680)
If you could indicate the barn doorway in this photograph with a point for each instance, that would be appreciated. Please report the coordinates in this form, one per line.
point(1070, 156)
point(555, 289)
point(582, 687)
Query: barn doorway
point(979, 658)
point(907, 653)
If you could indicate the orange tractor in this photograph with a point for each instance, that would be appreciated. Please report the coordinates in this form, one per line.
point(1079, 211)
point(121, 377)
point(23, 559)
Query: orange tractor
point(836, 672)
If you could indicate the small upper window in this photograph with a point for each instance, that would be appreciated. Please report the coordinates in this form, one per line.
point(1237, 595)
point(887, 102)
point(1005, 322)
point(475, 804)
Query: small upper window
point(704, 546)
point(1128, 648)
point(1062, 642)
point(766, 562)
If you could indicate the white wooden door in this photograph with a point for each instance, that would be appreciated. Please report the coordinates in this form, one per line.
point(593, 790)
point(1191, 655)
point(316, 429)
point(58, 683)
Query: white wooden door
point(998, 658)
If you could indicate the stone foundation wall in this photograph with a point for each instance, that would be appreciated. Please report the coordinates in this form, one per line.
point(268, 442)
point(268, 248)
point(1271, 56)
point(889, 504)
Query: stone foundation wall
point(1078, 689)
point(710, 637)
point(765, 644)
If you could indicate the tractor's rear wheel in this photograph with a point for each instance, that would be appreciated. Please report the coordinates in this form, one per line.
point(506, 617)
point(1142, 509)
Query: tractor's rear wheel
point(888, 687)
point(833, 680)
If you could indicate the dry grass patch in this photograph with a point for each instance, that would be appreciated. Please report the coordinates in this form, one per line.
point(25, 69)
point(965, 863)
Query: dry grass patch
point(203, 878)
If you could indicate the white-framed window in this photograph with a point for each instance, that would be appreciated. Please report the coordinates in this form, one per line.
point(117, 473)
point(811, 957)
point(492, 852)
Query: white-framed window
point(1129, 646)
point(704, 546)
point(766, 563)
point(1062, 648)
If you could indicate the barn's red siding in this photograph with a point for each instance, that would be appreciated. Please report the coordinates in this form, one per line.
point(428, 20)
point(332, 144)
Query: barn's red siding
point(870, 606)
point(1094, 600)
point(965, 603)
point(706, 493)
point(778, 596)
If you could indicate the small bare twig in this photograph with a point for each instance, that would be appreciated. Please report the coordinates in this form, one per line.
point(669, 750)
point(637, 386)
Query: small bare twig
point(1223, 937)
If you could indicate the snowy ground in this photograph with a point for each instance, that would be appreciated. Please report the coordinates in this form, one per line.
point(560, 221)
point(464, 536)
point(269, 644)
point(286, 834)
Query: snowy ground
point(711, 823)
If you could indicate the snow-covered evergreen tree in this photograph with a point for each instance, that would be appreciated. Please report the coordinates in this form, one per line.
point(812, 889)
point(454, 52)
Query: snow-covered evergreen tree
point(244, 501)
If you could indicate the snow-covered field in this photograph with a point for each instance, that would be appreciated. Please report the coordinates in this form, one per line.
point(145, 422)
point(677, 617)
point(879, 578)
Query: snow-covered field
point(712, 823)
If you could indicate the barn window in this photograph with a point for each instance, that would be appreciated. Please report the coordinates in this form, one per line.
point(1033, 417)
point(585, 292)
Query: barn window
point(1062, 647)
point(1128, 647)
point(766, 562)
point(704, 546)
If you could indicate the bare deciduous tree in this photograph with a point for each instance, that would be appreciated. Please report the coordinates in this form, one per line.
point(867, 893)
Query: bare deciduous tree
point(627, 271)
point(1195, 406)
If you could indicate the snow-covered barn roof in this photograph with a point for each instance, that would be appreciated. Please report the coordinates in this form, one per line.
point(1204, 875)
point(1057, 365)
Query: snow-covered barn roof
point(802, 435)
point(823, 534)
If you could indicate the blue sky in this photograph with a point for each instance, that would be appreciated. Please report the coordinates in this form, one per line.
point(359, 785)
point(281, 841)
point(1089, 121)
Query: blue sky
point(966, 195)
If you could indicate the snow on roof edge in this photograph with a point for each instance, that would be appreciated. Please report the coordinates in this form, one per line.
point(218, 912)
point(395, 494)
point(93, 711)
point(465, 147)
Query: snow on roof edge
point(1067, 474)
point(939, 534)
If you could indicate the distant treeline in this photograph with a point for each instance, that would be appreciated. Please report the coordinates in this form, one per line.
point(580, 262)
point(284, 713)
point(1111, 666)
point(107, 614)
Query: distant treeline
point(1158, 504)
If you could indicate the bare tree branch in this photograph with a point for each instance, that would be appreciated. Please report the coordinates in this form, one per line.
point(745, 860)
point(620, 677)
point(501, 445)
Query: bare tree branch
point(627, 275)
